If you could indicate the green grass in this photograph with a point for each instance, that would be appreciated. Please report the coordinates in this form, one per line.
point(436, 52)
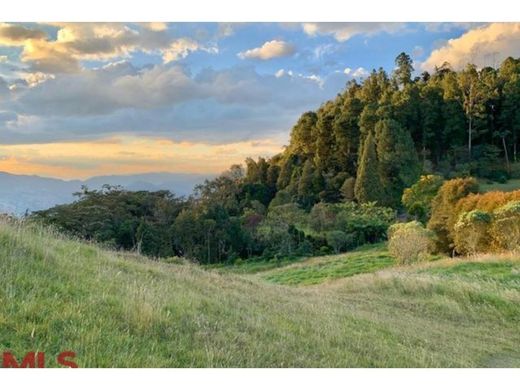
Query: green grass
point(510, 185)
point(506, 273)
point(254, 266)
point(122, 310)
point(318, 270)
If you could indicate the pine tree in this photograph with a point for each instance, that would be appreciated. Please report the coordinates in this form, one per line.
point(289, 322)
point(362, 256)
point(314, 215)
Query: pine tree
point(398, 163)
point(368, 185)
point(306, 193)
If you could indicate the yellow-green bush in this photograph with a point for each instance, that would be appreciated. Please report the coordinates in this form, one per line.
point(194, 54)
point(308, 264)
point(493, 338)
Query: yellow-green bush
point(409, 242)
point(505, 229)
point(444, 212)
point(471, 232)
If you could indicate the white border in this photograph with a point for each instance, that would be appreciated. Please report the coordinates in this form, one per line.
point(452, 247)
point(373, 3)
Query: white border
point(264, 10)
point(247, 11)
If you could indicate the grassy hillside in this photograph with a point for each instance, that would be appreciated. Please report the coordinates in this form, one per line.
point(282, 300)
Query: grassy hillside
point(124, 310)
point(510, 185)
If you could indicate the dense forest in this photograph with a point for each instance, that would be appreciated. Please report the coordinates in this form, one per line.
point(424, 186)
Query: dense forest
point(340, 181)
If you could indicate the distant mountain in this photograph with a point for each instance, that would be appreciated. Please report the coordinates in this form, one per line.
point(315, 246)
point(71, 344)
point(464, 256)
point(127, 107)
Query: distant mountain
point(19, 193)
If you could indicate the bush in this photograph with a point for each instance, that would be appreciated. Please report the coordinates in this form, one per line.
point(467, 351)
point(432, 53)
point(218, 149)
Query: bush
point(347, 189)
point(409, 242)
point(444, 213)
point(488, 201)
point(417, 199)
point(471, 232)
point(505, 230)
point(338, 240)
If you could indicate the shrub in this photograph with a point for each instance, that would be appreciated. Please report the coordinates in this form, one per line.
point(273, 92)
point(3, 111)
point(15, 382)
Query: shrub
point(347, 189)
point(417, 199)
point(471, 232)
point(409, 242)
point(505, 230)
point(443, 212)
point(338, 240)
point(488, 201)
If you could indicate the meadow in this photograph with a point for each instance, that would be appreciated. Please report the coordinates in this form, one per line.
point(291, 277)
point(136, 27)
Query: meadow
point(117, 309)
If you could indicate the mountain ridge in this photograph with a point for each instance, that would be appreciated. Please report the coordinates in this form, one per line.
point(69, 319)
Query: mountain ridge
point(21, 193)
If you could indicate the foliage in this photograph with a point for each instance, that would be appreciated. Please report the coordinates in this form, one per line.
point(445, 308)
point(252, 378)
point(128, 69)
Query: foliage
point(398, 165)
point(368, 186)
point(338, 240)
point(368, 144)
point(471, 232)
point(444, 212)
point(409, 242)
point(123, 219)
point(505, 230)
point(417, 199)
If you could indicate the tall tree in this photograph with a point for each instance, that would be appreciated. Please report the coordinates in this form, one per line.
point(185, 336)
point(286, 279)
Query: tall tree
point(404, 69)
point(368, 186)
point(470, 85)
point(398, 162)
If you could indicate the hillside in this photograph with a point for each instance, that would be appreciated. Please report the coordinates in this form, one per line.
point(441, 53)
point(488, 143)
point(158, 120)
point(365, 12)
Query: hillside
point(116, 309)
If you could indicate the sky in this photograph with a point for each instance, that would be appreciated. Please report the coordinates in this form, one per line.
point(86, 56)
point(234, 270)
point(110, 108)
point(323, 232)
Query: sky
point(85, 99)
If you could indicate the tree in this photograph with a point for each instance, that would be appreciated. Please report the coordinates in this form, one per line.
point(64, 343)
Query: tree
point(347, 189)
point(302, 134)
point(509, 76)
point(444, 210)
point(368, 185)
point(403, 72)
point(417, 199)
point(306, 192)
point(472, 93)
point(398, 163)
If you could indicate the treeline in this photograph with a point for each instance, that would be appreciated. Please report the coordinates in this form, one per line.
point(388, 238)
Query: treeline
point(223, 222)
point(339, 182)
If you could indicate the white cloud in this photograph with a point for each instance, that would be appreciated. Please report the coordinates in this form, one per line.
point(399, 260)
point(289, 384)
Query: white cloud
point(76, 42)
point(33, 79)
point(359, 72)
point(484, 46)
point(179, 49)
point(344, 31)
point(268, 50)
point(283, 72)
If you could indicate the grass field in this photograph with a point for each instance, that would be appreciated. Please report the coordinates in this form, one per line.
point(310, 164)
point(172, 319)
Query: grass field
point(510, 185)
point(122, 310)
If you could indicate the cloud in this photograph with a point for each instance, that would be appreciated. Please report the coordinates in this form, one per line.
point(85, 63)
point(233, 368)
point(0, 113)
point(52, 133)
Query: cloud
point(344, 31)
point(125, 155)
point(164, 100)
point(155, 26)
point(483, 46)
point(356, 73)
point(13, 35)
point(180, 48)
point(268, 50)
point(76, 42)
point(33, 79)
point(450, 26)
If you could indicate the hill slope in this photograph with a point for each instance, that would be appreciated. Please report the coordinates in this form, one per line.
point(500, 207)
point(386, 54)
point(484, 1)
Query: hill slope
point(126, 311)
